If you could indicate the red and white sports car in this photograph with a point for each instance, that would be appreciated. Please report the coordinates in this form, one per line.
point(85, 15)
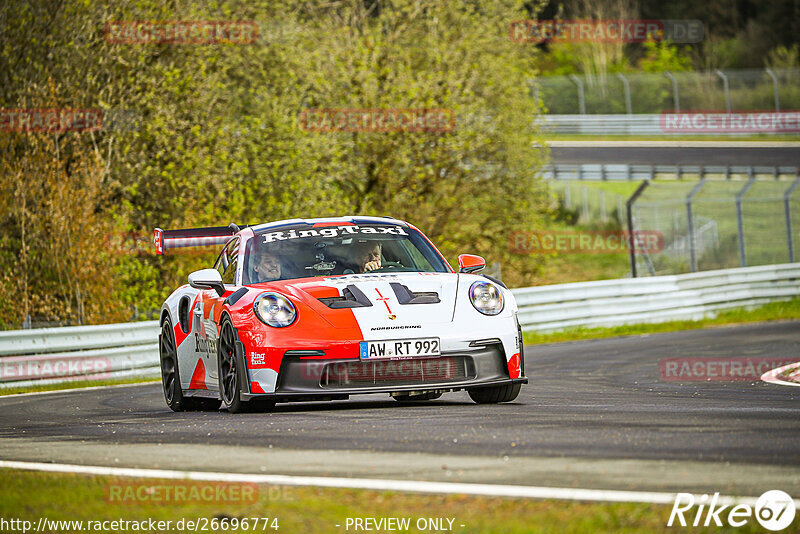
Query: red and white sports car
point(321, 309)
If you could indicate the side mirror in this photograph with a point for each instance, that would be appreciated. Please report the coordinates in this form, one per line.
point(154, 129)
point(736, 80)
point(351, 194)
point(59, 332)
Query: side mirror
point(207, 279)
point(468, 263)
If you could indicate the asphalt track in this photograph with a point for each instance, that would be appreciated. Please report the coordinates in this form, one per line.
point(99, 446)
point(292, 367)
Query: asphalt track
point(677, 155)
point(596, 415)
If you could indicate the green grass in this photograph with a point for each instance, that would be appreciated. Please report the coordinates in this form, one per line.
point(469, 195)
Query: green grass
point(74, 385)
point(774, 311)
point(31, 495)
point(662, 208)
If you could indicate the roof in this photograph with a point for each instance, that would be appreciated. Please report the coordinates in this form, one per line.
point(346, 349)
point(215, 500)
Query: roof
point(350, 219)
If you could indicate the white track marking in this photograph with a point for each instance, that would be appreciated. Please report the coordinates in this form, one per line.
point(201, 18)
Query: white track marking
point(71, 390)
point(772, 376)
point(495, 490)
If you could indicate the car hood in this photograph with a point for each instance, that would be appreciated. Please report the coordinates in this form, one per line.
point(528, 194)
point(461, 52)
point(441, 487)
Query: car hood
point(384, 301)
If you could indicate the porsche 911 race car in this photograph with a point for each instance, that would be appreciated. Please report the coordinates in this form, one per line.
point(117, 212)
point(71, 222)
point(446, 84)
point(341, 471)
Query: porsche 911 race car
point(322, 309)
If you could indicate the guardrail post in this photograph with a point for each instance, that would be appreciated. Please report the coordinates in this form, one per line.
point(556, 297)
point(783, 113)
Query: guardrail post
point(631, 240)
point(676, 99)
point(727, 89)
point(787, 210)
point(740, 221)
point(581, 97)
point(627, 88)
point(690, 223)
point(775, 89)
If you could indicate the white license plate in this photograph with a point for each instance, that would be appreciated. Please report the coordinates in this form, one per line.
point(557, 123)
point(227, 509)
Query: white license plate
point(400, 348)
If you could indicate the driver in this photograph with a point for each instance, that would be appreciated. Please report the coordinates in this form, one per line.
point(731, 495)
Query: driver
point(267, 267)
point(369, 256)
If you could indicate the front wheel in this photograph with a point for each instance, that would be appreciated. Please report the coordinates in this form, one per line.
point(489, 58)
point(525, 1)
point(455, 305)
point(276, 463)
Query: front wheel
point(495, 394)
point(228, 369)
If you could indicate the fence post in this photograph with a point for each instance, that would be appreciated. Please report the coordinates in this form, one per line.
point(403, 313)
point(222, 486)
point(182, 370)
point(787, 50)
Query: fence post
point(603, 206)
point(627, 88)
point(690, 223)
point(775, 89)
point(631, 240)
point(567, 196)
point(787, 210)
point(581, 97)
point(727, 89)
point(739, 219)
point(676, 99)
point(585, 198)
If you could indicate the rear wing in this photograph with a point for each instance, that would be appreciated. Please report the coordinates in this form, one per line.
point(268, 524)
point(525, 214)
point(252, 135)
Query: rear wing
point(192, 237)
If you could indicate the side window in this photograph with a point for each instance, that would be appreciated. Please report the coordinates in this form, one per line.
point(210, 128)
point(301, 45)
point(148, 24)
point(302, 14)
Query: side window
point(231, 255)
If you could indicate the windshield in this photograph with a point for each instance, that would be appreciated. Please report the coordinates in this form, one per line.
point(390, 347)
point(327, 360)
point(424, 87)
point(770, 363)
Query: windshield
point(303, 251)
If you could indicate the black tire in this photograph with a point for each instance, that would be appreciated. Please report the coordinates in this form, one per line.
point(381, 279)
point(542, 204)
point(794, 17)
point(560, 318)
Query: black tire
point(228, 369)
point(170, 376)
point(495, 394)
point(430, 395)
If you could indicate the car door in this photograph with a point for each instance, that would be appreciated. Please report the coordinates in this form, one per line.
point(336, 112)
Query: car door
point(209, 310)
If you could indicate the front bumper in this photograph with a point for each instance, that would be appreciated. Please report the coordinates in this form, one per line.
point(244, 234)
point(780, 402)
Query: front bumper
point(312, 378)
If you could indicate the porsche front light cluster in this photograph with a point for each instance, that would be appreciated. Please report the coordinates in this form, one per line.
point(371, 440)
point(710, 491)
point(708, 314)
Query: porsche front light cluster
point(275, 310)
point(486, 297)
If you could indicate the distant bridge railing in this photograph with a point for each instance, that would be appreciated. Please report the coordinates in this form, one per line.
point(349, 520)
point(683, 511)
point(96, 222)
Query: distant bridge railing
point(625, 172)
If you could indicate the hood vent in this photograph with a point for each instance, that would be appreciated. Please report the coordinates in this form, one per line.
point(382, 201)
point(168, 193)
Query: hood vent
point(406, 296)
point(352, 297)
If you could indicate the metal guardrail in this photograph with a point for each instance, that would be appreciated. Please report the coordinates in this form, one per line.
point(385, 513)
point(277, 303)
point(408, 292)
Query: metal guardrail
point(617, 124)
point(624, 172)
point(654, 299)
point(631, 93)
point(52, 355)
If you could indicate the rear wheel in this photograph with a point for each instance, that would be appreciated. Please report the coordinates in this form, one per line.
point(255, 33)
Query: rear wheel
point(427, 396)
point(170, 376)
point(495, 394)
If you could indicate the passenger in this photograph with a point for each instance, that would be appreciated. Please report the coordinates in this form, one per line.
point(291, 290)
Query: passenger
point(369, 257)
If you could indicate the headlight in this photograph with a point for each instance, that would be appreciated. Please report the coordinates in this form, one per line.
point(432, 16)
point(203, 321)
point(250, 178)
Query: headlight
point(486, 297)
point(275, 310)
